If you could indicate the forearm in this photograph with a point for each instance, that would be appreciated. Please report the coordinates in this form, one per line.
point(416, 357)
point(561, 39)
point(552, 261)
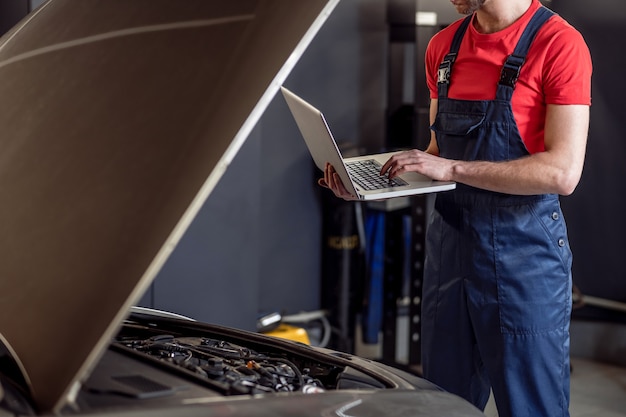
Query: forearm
point(556, 170)
point(536, 174)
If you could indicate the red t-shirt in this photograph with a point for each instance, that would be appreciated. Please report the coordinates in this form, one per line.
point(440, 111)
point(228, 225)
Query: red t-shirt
point(557, 70)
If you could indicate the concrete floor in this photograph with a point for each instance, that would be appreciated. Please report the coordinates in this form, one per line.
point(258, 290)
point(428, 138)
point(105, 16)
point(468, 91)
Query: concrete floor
point(597, 389)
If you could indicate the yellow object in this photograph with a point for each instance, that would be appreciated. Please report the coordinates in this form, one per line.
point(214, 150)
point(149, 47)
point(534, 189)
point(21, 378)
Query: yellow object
point(287, 331)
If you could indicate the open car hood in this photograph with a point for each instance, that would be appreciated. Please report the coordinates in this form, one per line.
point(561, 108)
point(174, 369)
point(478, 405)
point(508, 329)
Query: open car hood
point(117, 119)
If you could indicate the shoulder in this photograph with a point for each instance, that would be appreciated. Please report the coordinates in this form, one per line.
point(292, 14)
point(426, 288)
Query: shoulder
point(558, 37)
point(558, 28)
point(438, 47)
point(566, 60)
point(443, 38)
point(439, 44)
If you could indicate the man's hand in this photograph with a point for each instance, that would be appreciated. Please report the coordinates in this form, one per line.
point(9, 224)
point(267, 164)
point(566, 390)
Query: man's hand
point(332, 181)
point(424, 163)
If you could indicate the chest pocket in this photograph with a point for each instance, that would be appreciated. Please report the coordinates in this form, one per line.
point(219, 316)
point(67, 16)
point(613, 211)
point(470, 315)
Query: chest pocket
point(460, 136)
point(456, 124)
point(477, 131)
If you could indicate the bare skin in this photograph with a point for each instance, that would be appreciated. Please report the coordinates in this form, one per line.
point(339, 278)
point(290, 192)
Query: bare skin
point(556, 170)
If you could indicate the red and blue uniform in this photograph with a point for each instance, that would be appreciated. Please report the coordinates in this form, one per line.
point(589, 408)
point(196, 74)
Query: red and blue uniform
point(497, 280)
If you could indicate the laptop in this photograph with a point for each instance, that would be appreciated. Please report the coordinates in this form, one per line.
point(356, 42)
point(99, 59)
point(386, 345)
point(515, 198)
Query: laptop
point(361, 174)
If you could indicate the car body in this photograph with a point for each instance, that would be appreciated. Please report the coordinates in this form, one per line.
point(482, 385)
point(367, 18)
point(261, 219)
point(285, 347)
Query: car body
point(118, 117)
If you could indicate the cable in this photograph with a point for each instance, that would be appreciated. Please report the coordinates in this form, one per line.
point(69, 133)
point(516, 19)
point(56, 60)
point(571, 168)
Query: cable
point(310, 316)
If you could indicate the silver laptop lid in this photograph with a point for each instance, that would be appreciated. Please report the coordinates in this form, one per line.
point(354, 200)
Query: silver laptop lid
point(317, 136)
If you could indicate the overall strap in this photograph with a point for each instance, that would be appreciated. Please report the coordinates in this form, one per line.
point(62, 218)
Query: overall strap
point(445, 68)
point(515, 61)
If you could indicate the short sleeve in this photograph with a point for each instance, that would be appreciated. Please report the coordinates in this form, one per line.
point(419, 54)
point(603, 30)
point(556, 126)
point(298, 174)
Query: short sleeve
point(568, 69)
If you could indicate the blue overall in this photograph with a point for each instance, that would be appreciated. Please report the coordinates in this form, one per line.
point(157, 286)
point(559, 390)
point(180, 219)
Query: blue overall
point(497, 281)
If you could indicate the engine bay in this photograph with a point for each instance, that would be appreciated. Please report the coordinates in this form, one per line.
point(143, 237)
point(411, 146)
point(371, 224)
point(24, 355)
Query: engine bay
point(232, 362)
point(163, 362)
point(231, 368)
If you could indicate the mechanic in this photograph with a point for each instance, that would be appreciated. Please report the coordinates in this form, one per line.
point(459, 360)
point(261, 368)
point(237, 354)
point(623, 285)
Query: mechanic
point(510, 88)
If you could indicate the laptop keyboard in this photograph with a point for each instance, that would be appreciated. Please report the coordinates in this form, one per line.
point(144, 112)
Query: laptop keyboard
point(366, 173)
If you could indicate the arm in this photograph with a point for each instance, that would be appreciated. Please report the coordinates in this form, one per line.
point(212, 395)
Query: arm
point(433, 148)
point(556, 170)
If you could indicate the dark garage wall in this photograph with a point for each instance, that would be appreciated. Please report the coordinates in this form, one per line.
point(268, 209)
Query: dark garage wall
point(11, 11)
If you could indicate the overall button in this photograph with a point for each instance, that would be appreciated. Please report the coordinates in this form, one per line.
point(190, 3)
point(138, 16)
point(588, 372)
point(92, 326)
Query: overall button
point(561, 242)
point(555, 216)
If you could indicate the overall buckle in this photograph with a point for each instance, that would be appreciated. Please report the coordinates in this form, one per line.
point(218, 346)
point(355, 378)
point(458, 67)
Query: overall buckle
point(445, 68)
point(511, 70)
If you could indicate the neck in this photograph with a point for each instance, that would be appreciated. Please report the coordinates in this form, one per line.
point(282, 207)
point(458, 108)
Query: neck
point(496, 15)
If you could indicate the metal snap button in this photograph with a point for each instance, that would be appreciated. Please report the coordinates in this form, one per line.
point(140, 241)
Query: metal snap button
point(561, 242)
point(555, 216)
